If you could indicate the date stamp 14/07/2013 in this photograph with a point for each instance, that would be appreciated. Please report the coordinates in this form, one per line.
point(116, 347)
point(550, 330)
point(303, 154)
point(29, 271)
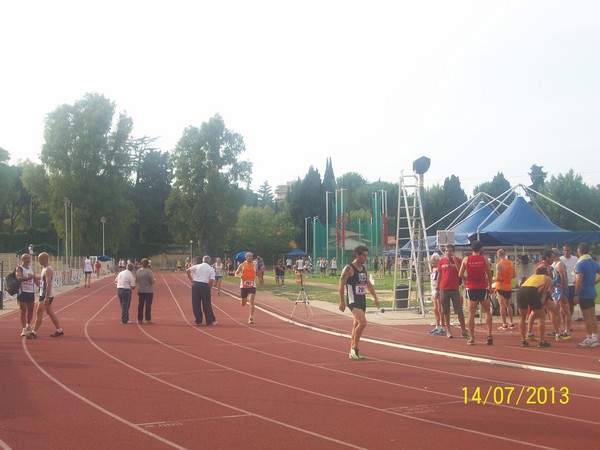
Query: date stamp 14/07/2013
point(516, 395)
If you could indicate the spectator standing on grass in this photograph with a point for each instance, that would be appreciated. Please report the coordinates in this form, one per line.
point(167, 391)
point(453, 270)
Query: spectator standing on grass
point(260, 271)
point(202, 276)
point(145, 279)
point(280, 273)
point(125, 282)
point(354, 284)
point(46, 299)
point(586, 278)
point(26, 295)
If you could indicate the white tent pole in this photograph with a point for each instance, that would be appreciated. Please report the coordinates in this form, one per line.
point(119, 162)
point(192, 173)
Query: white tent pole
point(527, 189)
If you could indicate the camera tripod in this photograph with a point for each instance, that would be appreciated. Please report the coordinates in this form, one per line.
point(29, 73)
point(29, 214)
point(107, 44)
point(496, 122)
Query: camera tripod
point(302, 298)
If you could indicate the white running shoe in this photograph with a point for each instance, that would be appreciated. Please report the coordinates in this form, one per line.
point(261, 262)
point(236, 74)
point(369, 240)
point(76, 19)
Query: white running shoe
point(586, 342)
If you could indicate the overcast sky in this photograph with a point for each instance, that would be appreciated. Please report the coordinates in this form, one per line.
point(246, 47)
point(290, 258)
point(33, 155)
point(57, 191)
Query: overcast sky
point(478, 86)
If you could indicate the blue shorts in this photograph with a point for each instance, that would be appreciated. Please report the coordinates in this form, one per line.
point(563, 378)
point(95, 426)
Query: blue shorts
point(218, 277)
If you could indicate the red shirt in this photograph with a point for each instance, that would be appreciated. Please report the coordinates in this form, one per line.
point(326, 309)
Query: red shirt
point(448, 273)
point(476, 273)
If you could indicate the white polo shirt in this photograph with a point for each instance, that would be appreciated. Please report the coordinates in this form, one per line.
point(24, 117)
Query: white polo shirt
point(202, 273)
point(125, 280)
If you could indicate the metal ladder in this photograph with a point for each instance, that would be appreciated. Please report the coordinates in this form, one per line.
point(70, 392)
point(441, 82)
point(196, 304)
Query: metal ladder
point(410, 270)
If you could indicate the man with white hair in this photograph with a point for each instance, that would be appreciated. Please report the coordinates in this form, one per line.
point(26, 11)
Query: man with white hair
point(202, 276)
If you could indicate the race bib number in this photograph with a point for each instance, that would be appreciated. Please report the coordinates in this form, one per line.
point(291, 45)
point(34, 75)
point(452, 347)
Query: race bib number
point(248, 283)
point(361, 289)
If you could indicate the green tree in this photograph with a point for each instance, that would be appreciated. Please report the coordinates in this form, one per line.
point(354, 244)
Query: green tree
point(86, 157)
point(498, 186)
point(150, 194)
point(306, 198)
point(351, 182)
point(263, 231)
point(205, 199)
point(568, 190)
point(538, 177)
point(15, 202)
point(265, 195)
point(439, 201)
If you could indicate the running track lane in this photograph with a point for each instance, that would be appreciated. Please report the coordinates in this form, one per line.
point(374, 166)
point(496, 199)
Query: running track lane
point(271, 385)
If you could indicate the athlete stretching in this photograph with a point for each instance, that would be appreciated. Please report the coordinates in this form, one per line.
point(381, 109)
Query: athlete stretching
point(354, 284)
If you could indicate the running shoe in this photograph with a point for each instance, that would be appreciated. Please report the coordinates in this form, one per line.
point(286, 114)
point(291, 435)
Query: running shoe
point(543, 344)
point(440, 332)
point(511, 326)
point(471, 342)
point(58, 333)
point(32, 335)
point(594, 343)
point(149, 322)
point(449, 334)
point(433, 330)
point(585, 343)
point(489, 340)
point(562, 337)
point(552, 334)
point(464, 335)
point(504, 327)
point(24, 332)
point(355, 355)
point(531, 337)
point(524, 344)
point(250, 320)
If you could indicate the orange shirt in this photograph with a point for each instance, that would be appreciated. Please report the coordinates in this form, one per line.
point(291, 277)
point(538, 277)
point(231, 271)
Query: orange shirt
point(248, 275)
point(505, 276)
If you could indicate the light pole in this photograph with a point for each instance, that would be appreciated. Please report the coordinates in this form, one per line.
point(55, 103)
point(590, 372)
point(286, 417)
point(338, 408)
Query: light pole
point(327, 224)
point(191, 252)
point(306, 234)
point(31, 210)
point(103, 220)
point(66, 202)
point(314, 255)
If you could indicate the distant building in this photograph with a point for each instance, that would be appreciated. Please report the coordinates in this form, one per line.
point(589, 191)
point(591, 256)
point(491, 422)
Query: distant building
point(282, 190)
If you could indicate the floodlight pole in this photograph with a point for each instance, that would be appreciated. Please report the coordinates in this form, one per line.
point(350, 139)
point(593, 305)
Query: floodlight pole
point(306, 234)
point(327, 224)
point(103, 220)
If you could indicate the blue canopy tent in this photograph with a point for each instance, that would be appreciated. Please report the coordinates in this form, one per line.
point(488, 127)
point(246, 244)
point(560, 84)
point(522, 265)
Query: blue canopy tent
point(481, 216)
point(241, 256)
point(295, 253)
point(520, 224)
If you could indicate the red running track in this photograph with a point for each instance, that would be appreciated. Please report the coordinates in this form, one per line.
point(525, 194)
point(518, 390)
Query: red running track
point(277, 384)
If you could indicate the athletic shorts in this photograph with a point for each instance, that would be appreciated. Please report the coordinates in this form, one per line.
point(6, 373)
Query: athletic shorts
point(505, 294)
point(246, 291)
point(587, 303)
point(528, 296)
point(87, 273)
point(50, 300)
point(26, 297)
point(557, 294)
point(279, 277)
point(218, 277)
point(570, 294)
point(477, 295)
point(451, 294)
point(358, 303)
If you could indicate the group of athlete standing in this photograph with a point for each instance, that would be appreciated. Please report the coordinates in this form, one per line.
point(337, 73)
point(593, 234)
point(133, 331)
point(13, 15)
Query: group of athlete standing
point(558, 283)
